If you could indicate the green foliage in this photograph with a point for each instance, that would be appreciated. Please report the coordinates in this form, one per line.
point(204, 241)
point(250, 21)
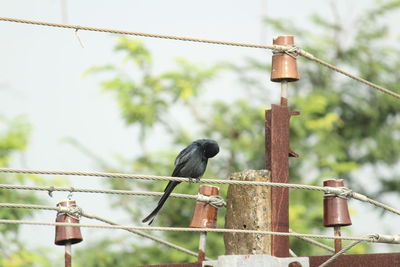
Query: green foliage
point(24, 258)
point(344, 126)
point(144, 101)
point(123, 252)
point(14, 137)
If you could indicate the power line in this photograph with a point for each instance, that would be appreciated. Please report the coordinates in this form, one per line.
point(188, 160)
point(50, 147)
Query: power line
point(161, 178)
point(73, 210)
point(291, 253)
point(79, 211)
point(276, 48)
point(336, 191)
point(35, 207)
point(69, 210)
point(325, 189)
point(143, 34)
point(351, 76)
point(335, 256)
point(373, 238)
point(71, 189)
point(146, 235)
point(315, 243)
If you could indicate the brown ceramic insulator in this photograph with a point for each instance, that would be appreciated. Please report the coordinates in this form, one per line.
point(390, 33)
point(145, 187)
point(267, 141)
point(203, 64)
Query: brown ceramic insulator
point(284, 65)
point(295, 264)
point(67, 234)
point(336, 211)
point(205, 215)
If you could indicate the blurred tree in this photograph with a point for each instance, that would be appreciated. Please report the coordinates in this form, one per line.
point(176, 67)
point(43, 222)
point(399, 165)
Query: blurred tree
point(14, 136)
point(343, 129)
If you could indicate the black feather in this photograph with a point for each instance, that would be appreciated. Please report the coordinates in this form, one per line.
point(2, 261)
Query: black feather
point(191, 162)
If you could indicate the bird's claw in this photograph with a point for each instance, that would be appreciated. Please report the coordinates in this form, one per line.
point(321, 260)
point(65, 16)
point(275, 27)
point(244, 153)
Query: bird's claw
point(194, 180)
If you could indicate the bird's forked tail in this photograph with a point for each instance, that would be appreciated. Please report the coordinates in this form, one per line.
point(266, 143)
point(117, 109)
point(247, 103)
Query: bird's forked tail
point(168, 190)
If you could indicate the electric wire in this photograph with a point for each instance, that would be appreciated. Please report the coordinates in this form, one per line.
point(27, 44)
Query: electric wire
point(73, 210)
point(335, 256)
point(314, 242)
point(275, 48)
point(373, 238)
point(292, 254)
point(336, 191)
point(213, 200)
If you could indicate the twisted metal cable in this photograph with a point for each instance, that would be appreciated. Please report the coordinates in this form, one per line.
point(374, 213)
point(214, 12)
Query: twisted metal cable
point(274, 48)
point(35, 207)
point(338, 191)
point(143, 234)
point(215, 201)
point(334, 190)
point(292, 254)
point(152, 35)
point(345, 73)
point(74, 210)
point(314, 242)
point(334, 257)
point(378, 204)
point(348, 194)
point(376, 238)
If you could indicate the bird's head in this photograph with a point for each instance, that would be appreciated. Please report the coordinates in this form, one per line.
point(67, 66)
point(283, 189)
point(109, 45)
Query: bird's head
point(210, 147)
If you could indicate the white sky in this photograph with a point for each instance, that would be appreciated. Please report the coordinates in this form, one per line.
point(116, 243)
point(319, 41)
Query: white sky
point(41, 76)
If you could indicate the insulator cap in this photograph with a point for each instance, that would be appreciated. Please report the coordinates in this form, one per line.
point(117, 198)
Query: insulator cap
point(284, 65)
point(67, 234)
point(205, 215)
point(336, 211)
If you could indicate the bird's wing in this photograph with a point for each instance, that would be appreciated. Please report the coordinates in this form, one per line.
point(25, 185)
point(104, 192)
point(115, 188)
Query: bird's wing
point(183, 157)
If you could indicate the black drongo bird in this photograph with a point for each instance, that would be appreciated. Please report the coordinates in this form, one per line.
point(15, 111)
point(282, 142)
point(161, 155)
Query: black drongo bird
point(191, 163)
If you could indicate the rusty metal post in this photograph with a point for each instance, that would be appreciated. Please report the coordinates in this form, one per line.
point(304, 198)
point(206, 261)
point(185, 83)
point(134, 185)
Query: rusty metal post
point(204, 216)
point(202, 247)
point(359, 260)
point(67, 235)
point(68, 255)
point(277, 151)
point(336, 211)
point(337, 242)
